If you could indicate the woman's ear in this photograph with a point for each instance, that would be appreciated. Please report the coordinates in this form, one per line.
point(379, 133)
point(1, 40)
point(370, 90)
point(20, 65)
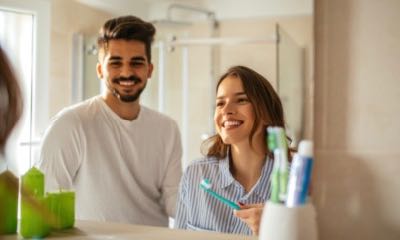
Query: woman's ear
point(266, 123)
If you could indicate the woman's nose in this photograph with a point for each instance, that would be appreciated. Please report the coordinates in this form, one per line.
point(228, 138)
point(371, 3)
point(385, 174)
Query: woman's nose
point(229, 109)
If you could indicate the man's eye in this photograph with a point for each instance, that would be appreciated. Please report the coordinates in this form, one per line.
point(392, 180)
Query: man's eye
point(219, 104)
point(137, 63)
point(114, 64)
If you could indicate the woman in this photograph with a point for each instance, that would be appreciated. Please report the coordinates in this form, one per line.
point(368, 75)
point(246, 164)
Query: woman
point(237, 160)
point(10, 112)
point(10, 100)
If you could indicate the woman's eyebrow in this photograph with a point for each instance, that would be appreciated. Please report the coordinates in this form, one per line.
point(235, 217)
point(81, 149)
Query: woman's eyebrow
point(236, 94)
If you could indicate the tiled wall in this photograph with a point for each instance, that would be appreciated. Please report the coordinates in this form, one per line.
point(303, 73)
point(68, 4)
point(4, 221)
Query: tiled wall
point(356, 185)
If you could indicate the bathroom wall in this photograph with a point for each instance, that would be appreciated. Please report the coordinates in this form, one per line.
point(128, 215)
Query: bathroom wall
point(357, 94)
point(67, 17)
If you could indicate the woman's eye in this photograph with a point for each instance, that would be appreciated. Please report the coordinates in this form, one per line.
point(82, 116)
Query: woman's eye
point(219, 104)
point(242, 100)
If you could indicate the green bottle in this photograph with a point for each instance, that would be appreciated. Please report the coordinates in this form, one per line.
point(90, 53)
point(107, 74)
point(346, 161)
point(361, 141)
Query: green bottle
point(8, 202)
point(34, 206)
point(33, 182)
point(62, 207)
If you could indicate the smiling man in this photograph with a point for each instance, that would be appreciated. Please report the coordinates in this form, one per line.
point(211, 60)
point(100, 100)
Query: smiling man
point(122, 159)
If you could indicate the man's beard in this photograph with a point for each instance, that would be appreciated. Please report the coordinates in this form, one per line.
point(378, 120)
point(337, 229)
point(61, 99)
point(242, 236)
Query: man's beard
point(132, 97)
point(128, 97)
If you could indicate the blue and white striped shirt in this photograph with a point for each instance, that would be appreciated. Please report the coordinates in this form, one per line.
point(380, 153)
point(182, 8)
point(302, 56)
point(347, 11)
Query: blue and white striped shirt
point(197, 210)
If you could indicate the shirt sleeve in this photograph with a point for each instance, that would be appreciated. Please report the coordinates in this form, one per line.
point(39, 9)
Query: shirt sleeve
point(181, 206)
point(60, 155)
point(172, 174)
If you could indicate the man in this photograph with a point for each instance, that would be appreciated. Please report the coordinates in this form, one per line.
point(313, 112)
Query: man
point(122, 159)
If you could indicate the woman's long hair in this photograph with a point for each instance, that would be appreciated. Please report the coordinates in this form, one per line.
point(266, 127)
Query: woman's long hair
point(264, 99)
point(10, 100)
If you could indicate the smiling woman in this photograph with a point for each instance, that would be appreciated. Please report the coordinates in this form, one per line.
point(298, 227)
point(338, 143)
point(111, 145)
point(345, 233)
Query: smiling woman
point(233, 112)
point(237, 160)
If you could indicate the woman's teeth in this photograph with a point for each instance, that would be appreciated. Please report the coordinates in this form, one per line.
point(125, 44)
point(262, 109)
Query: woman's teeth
point(231, 123)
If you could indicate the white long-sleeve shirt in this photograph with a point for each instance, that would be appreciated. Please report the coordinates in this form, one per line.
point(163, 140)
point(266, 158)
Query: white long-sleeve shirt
point(121, 170)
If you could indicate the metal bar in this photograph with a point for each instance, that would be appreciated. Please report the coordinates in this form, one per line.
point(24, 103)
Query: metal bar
point(220, 41)
point(185, 105)
point(189, 8)
point(161, 76)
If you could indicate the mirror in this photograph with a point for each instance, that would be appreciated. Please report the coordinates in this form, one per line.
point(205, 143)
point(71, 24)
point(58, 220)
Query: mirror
point(194, 46)
point(195, 43)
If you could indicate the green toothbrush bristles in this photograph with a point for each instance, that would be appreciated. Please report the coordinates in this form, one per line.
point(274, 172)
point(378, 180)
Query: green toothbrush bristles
point(281, 138)
point(271, 139)
point(205, 183)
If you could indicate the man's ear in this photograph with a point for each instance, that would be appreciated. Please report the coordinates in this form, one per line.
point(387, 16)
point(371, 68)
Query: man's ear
point(150, 71)
point(99, 70)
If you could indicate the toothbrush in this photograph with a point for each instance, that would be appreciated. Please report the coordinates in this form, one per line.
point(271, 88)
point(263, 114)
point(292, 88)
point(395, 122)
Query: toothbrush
point(279, 178)
point(206, 186)
point(271, 142)
point(283, 170)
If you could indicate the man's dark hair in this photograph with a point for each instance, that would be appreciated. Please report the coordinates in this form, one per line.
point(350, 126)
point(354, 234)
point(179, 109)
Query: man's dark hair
point(127, 28)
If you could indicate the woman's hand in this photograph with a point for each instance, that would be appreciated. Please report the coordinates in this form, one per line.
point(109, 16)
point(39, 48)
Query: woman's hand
point(251, 215)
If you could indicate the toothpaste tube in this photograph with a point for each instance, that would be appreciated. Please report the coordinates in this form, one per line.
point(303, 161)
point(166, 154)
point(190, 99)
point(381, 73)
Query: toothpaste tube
point(300, 175)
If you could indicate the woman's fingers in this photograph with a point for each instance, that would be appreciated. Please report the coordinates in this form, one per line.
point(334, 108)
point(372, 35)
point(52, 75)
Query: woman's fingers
point(251, 215)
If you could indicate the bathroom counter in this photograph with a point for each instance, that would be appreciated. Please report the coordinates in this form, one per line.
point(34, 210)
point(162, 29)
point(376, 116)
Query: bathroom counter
point(105, 230)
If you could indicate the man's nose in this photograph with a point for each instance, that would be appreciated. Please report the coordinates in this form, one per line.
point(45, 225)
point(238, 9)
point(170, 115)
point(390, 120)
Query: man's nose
point(126, 71)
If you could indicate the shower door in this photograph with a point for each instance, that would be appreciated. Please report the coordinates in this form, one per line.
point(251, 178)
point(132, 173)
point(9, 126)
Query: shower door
point(187, 65)
point(184, 88)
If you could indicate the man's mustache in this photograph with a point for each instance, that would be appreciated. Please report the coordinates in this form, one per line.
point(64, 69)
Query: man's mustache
point(131, 78)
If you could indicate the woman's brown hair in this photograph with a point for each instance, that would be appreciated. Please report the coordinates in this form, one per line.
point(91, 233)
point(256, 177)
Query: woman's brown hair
point(266, 103)
point(10, 99)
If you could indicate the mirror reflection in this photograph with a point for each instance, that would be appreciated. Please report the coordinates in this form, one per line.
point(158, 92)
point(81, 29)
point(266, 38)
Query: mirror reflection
point(59, 63)
point(193, 47)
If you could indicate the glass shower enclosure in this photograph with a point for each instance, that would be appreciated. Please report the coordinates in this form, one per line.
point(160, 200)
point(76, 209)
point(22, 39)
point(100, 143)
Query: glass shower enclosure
point(189, 58)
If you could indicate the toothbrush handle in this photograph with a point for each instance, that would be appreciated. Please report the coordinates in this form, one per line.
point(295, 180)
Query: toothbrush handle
point(224, 200)
point(275, 186)
point(283, 181)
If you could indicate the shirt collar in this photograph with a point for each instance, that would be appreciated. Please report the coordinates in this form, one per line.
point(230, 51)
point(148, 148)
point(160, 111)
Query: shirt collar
point(226, 175)
point(110, 112)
